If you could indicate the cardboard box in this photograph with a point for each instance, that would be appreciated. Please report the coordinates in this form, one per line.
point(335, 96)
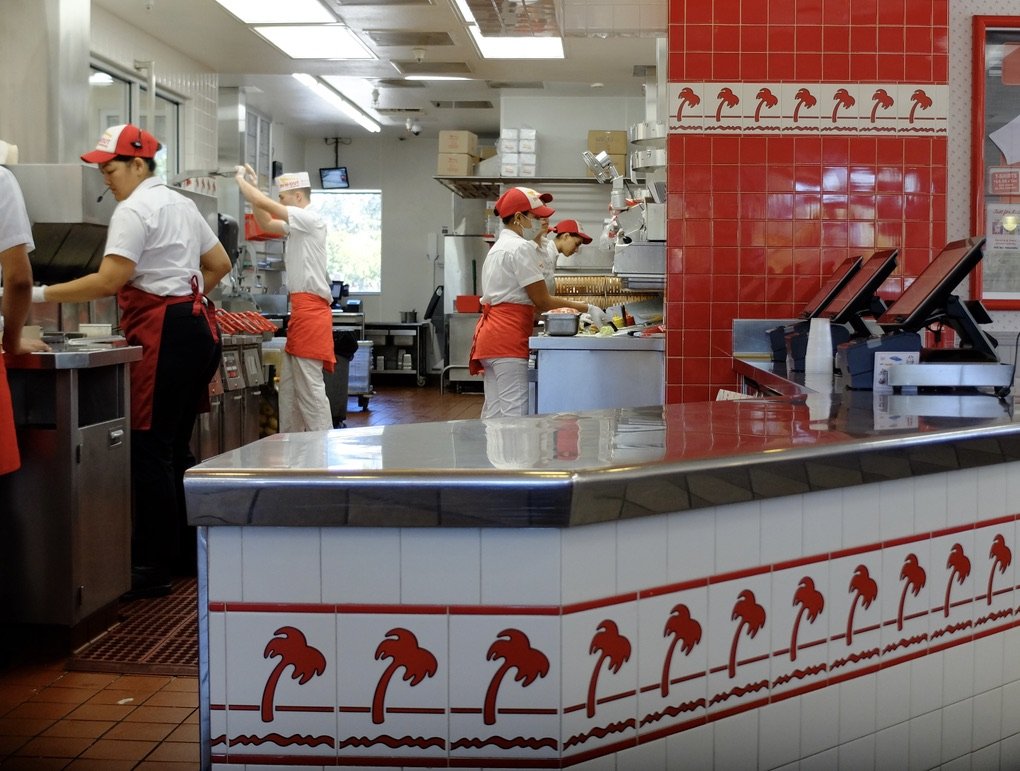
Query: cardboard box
point(506, 145)
point(612, 142)
point(528, 133)
point(529, 159)
point(486, 151)
point(527, 145)
point(619, 161)
point(509, 133)
point(528, 170)
point(461, 142)
point(509, 169)
point(455, 165)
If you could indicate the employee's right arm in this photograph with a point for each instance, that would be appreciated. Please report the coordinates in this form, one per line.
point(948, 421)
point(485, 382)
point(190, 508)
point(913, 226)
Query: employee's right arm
point(17, 297)
point(114, 271)
point(269, 214)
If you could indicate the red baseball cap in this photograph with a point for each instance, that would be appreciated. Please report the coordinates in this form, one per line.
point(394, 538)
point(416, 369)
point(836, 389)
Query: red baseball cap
point(571, 227)
point(523, 199)
point(126, 139)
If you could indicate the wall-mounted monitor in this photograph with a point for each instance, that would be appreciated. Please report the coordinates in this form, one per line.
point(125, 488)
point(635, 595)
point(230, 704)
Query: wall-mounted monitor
point(334, 178)
point(928, 297)
point(856, 295)
point(828, 290)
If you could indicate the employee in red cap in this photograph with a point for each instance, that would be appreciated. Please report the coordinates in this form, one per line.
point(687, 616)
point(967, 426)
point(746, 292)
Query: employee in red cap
point(513, 290)
point(566, 238)
point(160, 260)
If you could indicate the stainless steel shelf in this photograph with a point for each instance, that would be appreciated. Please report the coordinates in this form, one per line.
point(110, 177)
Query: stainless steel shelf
point(491, 187)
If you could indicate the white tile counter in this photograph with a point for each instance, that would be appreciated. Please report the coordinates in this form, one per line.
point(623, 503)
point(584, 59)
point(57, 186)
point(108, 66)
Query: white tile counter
point(731, 584)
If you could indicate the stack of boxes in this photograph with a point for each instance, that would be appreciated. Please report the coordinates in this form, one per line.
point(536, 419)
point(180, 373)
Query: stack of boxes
point(518, 152)
point(458, 154)
point(612, 142)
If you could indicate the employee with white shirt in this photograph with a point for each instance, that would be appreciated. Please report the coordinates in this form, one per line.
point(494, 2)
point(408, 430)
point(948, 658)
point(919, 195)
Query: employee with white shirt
point(513, 290)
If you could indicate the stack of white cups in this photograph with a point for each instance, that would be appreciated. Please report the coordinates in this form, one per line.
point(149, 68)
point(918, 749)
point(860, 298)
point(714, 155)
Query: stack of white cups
point(819, 348)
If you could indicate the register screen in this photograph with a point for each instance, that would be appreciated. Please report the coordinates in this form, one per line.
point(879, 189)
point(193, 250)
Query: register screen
point(846, 269)
point(930, 291)
point(856, 295)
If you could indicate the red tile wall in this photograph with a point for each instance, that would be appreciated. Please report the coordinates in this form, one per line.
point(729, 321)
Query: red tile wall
point(756, 223)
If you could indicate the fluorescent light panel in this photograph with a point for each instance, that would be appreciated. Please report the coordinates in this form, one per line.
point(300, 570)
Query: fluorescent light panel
point(276, 12)
point(323, 41)
point(517, 47)
point(436, 77)
point(338, 100)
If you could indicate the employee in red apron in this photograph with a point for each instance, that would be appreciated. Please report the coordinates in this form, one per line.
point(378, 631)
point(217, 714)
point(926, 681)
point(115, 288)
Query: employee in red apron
point(160, 260)
point(16, 280)
point(309, 350)
point(513, 291)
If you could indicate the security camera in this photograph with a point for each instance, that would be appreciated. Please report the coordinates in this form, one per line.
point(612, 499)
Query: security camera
point(416, 128)
point(418, 54)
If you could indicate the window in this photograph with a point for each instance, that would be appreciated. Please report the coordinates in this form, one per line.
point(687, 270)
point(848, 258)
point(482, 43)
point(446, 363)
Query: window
point(354, 242)
point(114, 99)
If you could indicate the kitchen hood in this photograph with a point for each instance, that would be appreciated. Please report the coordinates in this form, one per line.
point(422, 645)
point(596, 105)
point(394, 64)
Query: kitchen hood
point(68, 219)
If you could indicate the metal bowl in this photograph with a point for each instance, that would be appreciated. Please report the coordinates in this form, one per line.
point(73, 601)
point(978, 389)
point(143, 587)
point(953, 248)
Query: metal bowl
point(561, 324)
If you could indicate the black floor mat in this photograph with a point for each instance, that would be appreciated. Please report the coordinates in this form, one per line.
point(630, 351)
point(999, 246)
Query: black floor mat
point(155, 636)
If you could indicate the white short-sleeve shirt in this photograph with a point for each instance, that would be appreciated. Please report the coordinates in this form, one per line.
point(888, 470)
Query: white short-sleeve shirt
point(14, 225)
point(164, 234)
point(305, 257)
point(511, 264)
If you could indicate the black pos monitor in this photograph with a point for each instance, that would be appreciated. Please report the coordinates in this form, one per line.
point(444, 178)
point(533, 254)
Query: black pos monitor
point(928, 300)
point(835, 282)
point(855, 298)
point(858, 296)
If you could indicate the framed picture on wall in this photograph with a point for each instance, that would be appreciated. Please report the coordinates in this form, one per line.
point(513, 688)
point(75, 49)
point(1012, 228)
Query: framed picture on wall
point(995, 159)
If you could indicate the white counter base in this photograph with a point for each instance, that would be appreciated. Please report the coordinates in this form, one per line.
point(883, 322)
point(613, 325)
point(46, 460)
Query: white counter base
point(871, 627)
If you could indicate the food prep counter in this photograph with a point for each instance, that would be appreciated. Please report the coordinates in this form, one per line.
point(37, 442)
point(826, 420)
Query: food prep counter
point(65, 532)
point(589, 372)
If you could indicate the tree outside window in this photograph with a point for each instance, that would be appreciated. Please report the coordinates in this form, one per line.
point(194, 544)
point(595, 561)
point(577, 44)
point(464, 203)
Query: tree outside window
point(354, 241)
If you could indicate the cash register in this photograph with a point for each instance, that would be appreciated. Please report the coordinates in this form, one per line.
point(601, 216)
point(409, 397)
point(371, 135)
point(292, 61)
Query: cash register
point(780, 336)
point(847, 307)
point(929, 301)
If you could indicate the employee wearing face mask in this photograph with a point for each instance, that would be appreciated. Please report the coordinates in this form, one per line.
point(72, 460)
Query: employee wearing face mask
point(513, 290)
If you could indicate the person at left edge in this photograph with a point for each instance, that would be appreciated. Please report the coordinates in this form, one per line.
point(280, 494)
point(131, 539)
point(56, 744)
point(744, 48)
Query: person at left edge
point(161, 259)
point(16, 280)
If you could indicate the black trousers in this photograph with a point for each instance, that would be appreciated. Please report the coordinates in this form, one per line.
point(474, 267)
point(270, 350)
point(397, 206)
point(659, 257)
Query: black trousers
point(161, 541)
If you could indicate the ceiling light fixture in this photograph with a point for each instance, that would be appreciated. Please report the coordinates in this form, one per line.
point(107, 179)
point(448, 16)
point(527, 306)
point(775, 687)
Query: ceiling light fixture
point(436, 77)
point(316, 41)
point(338, 100)
point(275, 12)
point(512, 47)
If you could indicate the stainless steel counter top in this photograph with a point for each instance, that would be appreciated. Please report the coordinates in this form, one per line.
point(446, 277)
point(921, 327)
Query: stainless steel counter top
point(68, 356)
point(563, 470)
point(596, 343)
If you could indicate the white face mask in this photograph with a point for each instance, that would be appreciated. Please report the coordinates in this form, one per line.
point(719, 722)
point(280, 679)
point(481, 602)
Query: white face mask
point(531, 230)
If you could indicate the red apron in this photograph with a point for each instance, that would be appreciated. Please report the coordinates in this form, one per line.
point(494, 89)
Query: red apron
point(10, 460)
point(501, 332)
point(141, 318)
point(310, 329)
